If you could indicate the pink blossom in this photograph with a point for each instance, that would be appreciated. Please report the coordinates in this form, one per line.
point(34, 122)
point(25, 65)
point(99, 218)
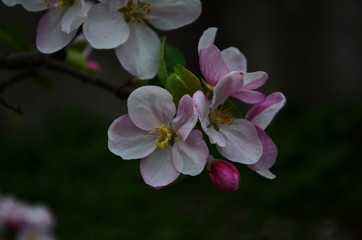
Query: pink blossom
point(166, 144)
point(235, 139)
point(216, 64)
point(224, 175)
point(122, 25)
point(60, 23)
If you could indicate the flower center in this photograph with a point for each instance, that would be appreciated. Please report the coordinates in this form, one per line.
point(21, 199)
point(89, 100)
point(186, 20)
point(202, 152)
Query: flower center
point(166, 136)
point(60, 3)
point(136, 11)
point(221, 115)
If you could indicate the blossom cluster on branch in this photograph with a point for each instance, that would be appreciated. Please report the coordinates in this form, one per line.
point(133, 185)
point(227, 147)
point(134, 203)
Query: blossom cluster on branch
point(177, 124)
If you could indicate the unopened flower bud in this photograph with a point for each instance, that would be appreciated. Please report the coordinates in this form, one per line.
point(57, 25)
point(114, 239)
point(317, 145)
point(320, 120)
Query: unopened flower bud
point(93, 65)
point(224, 175)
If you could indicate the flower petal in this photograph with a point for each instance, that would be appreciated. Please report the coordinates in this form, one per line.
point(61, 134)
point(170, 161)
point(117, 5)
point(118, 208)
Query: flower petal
point(212, 66)
point(262, 114)
point(105, 29)
point(254, 80)
point(226, 87)
point(30, 5)
point(50, 37)
point(75, 16)
point(172, 14)
point(270, 152)
point(234, 59)
point(186, 118)
point(157, 169)
point(242, 142)
point(266, 174)
point(207, 39)
point(249, 96)
point(139, 54)
point(151, 107)
point(128, 141)
point(190, 156)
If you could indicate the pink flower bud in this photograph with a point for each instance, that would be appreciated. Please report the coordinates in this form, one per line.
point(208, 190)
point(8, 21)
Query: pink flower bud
point(93, 65)
point(224, 175)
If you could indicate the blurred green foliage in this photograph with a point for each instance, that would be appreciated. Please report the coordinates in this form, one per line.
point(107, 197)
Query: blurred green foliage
point(95, 195)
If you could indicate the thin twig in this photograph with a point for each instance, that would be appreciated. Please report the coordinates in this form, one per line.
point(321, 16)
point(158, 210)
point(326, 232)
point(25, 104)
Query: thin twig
point(15, 108)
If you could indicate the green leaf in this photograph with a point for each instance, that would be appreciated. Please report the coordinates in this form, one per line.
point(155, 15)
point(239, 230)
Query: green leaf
point(182, 82)
point(14, 37)
point(169, 57)
point(76, 59)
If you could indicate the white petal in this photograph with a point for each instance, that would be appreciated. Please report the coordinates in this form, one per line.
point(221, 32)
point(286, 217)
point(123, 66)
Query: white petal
point(128, 141)
point(140, 53)
point(190, 156)
point(75, 16)
point(172, 14)
point(254, 80)
point(242, 142)
point(234, 59)
point(30, 5)
point(266, 174)
point(50, 37)
point(207, 38)
point(151, 107)
point(157, 169)
point(186, 118)
point(105, 29)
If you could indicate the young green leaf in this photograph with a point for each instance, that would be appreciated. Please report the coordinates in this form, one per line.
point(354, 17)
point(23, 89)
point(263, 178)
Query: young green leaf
point(14, 37)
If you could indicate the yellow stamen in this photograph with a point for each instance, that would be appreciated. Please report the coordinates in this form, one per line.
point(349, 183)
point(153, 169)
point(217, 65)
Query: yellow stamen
point(136, 12)
point(221, 116)
point(166, 136)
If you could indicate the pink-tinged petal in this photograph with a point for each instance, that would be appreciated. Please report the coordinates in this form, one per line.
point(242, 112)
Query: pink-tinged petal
point(190, 156)
point(172, 14)
point(75, 15)
point(212, 66)
point(254, 80)
point(226, 87)
point(249, 96)
point(186, 118)
point(234, 59)
point(104, 29)
point(262, 113)
point(128, 141)
point(242, 142)
point(202, 106)
point(157, 169)
point(139, 54)
point(270, 152)
point(151, 107)
point(50, 37)
point(34, 233)
point(30, 5)
point(266, 174)
point(207, 39)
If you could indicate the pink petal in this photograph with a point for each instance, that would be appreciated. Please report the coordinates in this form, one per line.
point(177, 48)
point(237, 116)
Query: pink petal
point(249, 96)
point(234, 59)
point(226, 87)
point(262, 114)
point(171, 14)
point(128, 141)
point(242, 142)
point(190, 156)
point(151, 107)
point(207, 39)
point(75, 15)
point(140, 53)
point(186, 118)
point(270, 152)
point(30, 5)
point(50, 37)
point(212, 65)
point(157, 169)
point(105, 29)
point(254, 80)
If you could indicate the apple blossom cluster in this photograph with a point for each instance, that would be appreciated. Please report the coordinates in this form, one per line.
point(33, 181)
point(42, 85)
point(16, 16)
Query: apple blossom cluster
point(168, 138)
point(25, 221)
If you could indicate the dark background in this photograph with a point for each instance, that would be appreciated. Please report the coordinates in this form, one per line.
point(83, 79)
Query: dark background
point(56, 153)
